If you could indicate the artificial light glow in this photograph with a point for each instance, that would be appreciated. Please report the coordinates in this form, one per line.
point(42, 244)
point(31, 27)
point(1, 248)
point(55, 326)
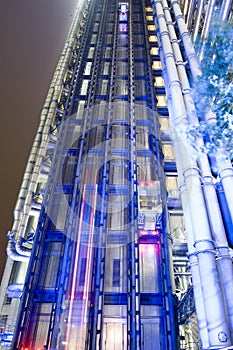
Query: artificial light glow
point(146, 248)
point(161, 100)
point(159, 81)
point(156, 65)
point(151, 27)
point(153, 38)
point(154, 51)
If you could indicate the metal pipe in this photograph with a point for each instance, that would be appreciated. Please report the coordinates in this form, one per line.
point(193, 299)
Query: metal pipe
point(216, 321)
point(211, 201)
point(212, 294)
point(42, 138)
point(11, 252)
point(189, 20)
point(208, 18)
point(185, 36)
point(224, 263)
point(198, 20)
point(225, 213)
point(197, 289)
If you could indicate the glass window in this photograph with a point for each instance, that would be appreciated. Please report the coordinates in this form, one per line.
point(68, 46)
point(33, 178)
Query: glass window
point(156, 65)
point(161, 100)
point(164, 123)
point(159, 81)
point(116, 273)
point(153, 38)
point(168, 151)
point(172, 185)
point(154, 51)
point(151, 27)
point(87, 69)
point(177, 227)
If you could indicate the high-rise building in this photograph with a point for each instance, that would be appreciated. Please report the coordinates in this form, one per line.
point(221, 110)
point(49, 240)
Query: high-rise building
point(121, 237)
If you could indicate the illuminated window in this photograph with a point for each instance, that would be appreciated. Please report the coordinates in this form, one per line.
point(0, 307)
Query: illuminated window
point(168, 151)
point(87, 69)
point(91, 52)
point(159, 81)
point(149, 18)
point(161, 100)
point(156, 65)
point(148, 9)
point(177, 227)
point(151, 27)
point(164, 123)
point(154, 51)
point(172, 186)
point(153, 38)
point(147, 202)
point(84, 87)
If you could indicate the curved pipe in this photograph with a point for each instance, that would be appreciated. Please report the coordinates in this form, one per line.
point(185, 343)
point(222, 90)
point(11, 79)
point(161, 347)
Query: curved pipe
point(13, 254)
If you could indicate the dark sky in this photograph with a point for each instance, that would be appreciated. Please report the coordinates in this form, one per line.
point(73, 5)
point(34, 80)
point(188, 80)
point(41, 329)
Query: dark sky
point(32, 35)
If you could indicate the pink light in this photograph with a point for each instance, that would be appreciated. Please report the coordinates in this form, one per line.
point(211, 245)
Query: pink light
point(147, 248)
point(75, 273)
point(90, 246)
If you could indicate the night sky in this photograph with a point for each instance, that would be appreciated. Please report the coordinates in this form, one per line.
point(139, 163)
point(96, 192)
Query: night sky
point(32, 35)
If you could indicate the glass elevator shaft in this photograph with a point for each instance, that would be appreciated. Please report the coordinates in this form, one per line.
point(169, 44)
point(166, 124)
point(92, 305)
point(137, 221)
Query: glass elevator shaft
point(98, 277)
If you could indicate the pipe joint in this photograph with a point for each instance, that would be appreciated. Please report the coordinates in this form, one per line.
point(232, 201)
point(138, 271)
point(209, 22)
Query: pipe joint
point(181, 63)
point(157, 2)
point(164, 33)
point(175, 82)
point(178, 17)
point(175, 2)
point(204, 245)
point(175, 41)
point(191, 171)
point(223, 251)
point(184, 34)
point(186, 91)
point(182, 187)
point(225, 173)
point(191, 257)
point(207, 180)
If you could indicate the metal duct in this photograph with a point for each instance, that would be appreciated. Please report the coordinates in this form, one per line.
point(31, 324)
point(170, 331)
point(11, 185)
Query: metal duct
point(216, 321)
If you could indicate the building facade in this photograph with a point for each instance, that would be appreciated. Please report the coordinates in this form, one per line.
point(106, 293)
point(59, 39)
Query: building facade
point(121, 235)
